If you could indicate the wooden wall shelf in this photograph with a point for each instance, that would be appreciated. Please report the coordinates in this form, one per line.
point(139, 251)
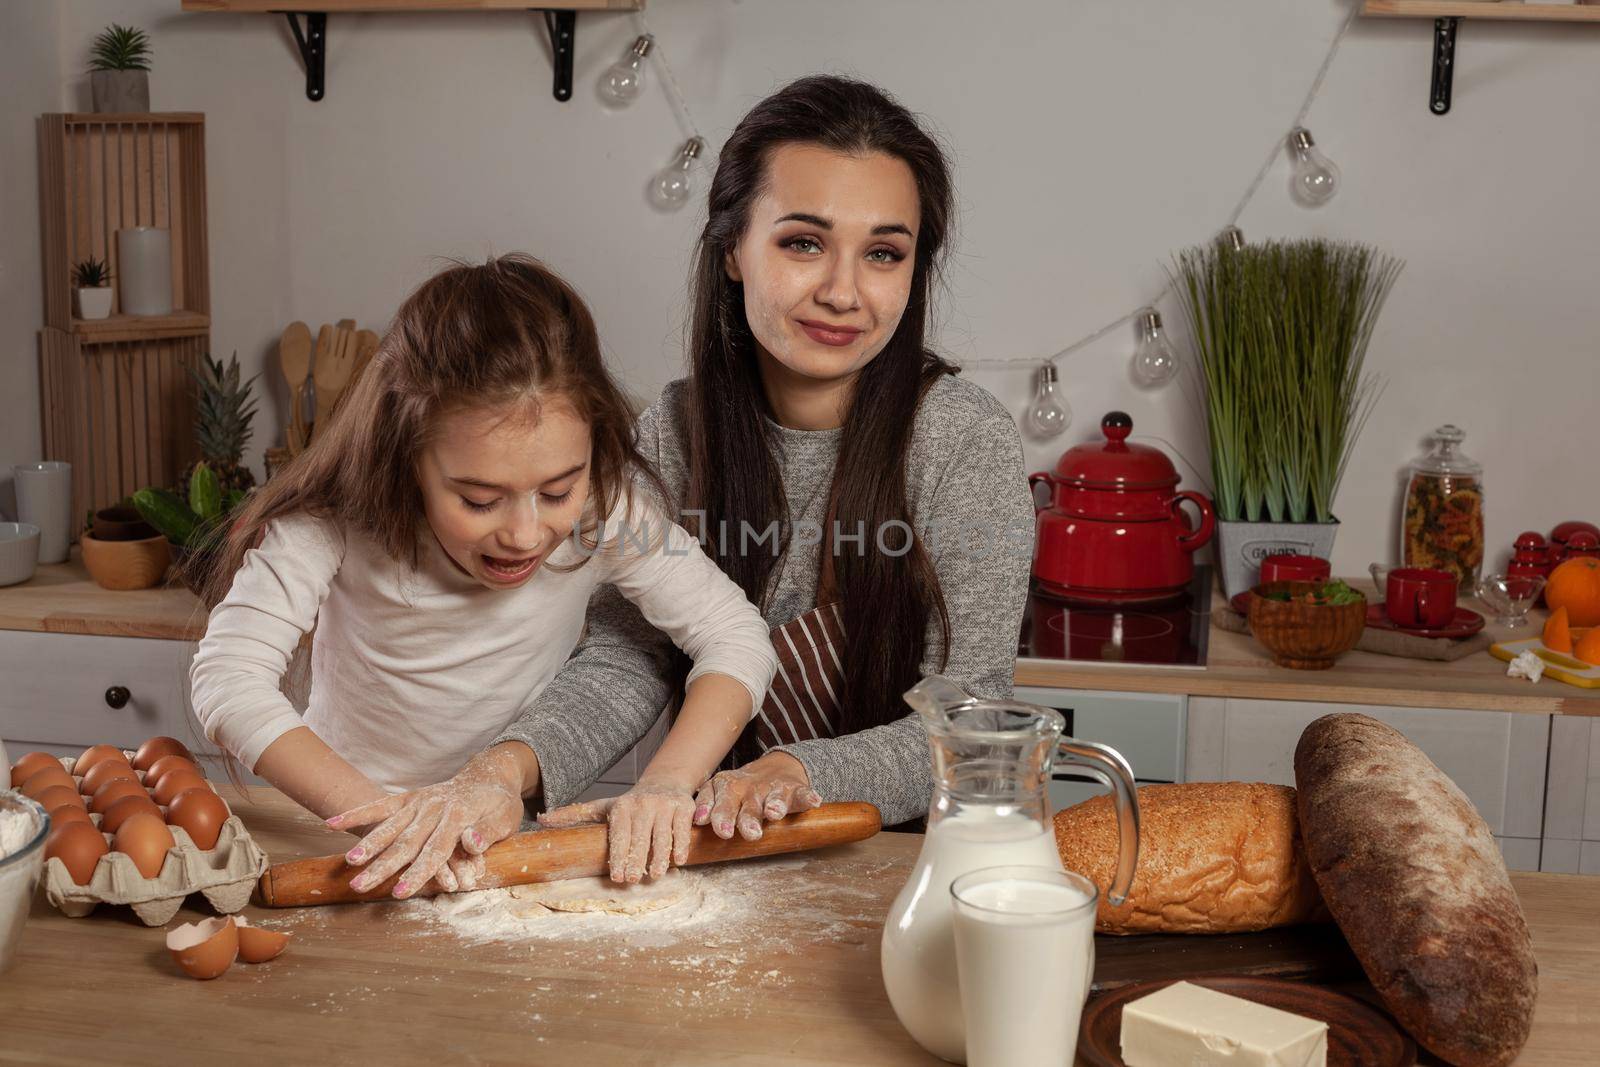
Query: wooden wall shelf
point(1447, 16)
point(141, 327)
point(1503, 10)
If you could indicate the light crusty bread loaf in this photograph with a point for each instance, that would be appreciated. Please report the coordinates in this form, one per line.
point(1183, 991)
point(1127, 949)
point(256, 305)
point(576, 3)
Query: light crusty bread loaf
point(1416, 883)
point(1214, 857)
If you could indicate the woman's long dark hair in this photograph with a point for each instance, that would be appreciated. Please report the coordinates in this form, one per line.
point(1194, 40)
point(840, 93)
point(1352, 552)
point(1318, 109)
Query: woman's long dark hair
point(887, 600)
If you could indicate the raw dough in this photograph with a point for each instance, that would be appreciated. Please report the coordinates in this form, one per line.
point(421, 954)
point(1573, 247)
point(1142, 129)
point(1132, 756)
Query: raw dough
point(604, 895)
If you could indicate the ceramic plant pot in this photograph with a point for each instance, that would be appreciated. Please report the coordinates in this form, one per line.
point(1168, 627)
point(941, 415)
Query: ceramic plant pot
point(1307, 637)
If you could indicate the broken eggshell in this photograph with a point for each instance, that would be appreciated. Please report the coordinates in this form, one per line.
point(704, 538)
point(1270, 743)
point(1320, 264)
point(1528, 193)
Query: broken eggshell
point(258, 944)
point(204, 949)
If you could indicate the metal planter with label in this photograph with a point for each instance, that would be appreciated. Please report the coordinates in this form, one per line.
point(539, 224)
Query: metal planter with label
point(1241, 546)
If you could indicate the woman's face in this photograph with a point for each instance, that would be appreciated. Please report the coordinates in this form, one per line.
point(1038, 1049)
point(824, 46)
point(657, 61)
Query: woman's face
point(826, 263)
point(502, 491)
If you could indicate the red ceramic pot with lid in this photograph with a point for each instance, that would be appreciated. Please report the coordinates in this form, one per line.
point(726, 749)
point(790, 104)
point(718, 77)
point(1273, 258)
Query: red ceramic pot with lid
point(1115, 530)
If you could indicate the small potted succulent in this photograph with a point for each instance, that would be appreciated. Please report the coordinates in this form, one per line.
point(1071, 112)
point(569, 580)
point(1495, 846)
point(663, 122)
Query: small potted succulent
point(119, 71)
point(92, 280)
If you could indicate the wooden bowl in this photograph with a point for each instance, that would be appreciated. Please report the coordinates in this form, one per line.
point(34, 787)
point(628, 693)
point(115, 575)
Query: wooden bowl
point(126, 564)
point(1307, 637)
point(120, 524)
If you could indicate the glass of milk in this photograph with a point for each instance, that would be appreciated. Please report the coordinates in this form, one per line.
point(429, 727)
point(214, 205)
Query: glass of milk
point(1025, 954)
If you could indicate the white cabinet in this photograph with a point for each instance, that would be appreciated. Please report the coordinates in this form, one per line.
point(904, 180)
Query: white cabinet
point(1572, 797)
point(1496, 758)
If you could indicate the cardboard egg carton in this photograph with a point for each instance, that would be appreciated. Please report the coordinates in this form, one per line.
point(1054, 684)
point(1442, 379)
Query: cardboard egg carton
point(224, 875)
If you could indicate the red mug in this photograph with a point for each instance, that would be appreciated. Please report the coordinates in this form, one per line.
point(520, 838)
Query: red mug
point(1295, 569)
point(1420, 599)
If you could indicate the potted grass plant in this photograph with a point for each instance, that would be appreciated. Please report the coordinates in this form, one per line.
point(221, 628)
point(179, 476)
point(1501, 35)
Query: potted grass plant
point(119, 71)
point(92, 280)
point(1281, 331)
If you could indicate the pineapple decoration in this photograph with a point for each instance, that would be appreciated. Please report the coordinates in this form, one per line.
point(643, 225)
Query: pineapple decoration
point(222, 424)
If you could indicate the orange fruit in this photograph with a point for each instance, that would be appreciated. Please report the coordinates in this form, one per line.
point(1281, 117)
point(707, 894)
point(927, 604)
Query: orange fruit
point(1575, 585)
point(1588, 649)
point(1557, 635)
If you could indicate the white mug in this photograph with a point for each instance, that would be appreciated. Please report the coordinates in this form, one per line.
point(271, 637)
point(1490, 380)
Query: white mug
point(44, 498)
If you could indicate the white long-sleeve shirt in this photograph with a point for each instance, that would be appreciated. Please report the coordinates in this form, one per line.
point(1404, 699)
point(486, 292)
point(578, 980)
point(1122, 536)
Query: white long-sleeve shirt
point(415, 671)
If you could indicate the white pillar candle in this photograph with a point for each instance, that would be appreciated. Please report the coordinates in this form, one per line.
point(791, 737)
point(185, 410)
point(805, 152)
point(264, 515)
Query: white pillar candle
point(145, 263)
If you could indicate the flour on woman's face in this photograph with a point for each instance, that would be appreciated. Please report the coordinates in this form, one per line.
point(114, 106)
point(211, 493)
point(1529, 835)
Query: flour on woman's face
point(502, 488)
point(826, 263)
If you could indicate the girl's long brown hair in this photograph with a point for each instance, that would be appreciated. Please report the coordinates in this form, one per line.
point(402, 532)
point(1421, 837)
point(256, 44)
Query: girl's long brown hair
point(887, 600)
point(507, 332)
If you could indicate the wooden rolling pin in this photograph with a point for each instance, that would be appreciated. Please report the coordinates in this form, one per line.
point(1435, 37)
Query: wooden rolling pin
point(579, 852)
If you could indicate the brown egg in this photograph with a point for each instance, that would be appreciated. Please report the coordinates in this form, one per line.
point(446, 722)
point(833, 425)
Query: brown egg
point(94, 755)
point(119, 812)
point(29, 765)
point(69, 813)
point(145, 839)
point(46, 777)
point(157, 747)
point(52, 797)
point(201, 813)
point(160, 768)
point(112, 792)
point(103, 772)
point(257, 944)
point(204, 949)
point(175, 782)
point(78, 847)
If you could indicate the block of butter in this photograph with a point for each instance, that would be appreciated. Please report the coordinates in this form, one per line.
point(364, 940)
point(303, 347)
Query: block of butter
point(1186, 1025)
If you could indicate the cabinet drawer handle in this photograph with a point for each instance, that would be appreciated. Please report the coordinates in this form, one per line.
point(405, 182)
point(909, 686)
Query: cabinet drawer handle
point(117, 696)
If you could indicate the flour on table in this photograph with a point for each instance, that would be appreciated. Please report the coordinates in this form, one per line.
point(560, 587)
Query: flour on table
point(604, 895)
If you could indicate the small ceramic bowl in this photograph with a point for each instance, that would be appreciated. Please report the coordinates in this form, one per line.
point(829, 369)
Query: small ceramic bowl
point(1304, 636)
point(126, 564)
point(120, 524)
point(19, 551)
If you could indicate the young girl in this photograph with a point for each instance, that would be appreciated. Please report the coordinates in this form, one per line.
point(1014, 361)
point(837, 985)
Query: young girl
point(443, 537)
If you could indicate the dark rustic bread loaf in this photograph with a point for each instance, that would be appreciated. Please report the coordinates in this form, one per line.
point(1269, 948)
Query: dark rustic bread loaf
point(1214, 857)
point(1416, 882)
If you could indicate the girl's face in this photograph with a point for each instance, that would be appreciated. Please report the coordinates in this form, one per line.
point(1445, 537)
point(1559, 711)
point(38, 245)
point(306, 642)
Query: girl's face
point(826, 263)
point(502, 493)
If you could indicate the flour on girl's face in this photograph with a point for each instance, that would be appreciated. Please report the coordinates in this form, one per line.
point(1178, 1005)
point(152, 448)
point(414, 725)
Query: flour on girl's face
point(502, 487)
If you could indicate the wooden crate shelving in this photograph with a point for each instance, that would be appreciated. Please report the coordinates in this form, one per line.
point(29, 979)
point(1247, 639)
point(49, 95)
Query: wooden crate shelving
point(116, 396)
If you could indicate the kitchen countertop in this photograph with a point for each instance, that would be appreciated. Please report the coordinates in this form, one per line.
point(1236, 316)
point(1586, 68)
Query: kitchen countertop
point(795, 980)
point(62, 598)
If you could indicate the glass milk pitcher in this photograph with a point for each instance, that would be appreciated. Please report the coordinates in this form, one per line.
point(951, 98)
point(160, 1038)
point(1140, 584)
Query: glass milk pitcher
point(991, 768)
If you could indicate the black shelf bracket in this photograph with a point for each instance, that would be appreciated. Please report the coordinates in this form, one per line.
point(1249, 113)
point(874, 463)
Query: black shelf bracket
point(1444, 64)
point(563, 27)
point(313, 48)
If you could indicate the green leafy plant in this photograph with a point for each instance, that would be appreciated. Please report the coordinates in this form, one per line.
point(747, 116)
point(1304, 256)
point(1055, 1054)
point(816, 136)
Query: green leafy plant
point(1281, 331)
point(92, 273)
point(120, 48)
point(189, 523)
point(1330, 594)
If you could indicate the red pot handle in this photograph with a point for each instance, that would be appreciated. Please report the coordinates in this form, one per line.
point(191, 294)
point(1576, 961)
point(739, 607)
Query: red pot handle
point(1189, 542)
point(1033, 480)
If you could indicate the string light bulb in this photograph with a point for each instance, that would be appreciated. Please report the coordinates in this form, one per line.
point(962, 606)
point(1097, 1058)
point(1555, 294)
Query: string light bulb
point(622, 82)
point(1154, 362)
point(1049, 415)
point(1314, 179)
point(670, 188)
point(1231, 238)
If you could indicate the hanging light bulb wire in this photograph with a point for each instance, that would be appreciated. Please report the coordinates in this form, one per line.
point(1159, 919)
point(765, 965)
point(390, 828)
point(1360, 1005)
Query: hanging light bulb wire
point(675, 97)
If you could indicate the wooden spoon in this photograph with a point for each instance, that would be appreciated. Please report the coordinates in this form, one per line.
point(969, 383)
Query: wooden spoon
point(294, 356)
point(324, 355)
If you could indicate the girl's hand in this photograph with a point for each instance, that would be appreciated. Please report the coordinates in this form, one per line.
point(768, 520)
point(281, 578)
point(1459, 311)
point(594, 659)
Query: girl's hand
point(441, 830)
point(649, 832)
point(766, 789)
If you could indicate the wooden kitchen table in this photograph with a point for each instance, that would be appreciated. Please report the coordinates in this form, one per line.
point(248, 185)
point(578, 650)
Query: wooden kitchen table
point(788, 975)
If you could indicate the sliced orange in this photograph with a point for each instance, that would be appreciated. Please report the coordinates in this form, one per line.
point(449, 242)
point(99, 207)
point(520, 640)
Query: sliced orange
point(1588, 649)
point(1557, 634)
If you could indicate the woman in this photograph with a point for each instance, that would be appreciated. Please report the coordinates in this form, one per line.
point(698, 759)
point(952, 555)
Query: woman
point(814, 435)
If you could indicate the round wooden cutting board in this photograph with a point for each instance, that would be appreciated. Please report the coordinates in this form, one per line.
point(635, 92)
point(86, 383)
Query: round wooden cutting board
point(1359, 1035)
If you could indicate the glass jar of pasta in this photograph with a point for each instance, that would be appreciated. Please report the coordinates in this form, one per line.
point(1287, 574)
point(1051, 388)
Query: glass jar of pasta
point(1442, 525)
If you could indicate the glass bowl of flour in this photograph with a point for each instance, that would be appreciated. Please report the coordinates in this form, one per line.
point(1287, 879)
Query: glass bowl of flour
point(23, 827)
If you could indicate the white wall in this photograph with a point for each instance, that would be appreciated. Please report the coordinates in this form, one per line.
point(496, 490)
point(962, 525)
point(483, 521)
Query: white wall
point(1091, 140)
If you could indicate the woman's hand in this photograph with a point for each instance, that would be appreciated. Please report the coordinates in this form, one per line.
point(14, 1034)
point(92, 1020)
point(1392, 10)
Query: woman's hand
point(441, 830)
point(765, 789)
point(649, 827)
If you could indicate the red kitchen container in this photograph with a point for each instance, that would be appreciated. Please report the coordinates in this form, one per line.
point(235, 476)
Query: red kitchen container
point(1115, 530)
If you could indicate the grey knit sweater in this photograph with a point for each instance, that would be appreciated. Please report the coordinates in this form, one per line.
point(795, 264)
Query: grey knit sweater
point(965, 483)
